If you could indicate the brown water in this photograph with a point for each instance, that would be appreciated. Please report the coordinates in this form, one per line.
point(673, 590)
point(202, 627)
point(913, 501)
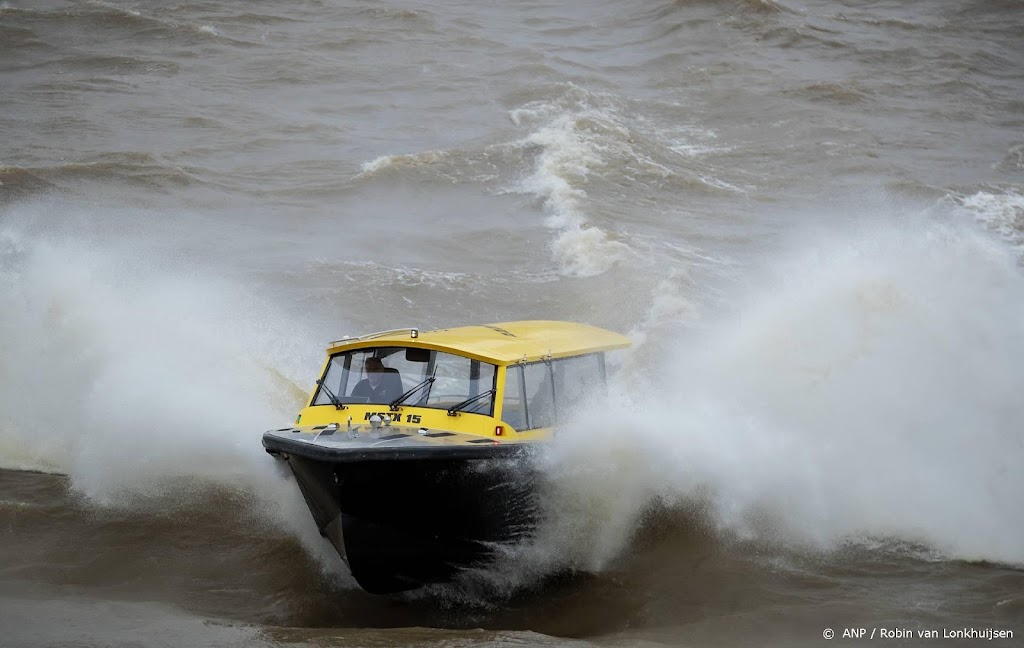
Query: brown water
point(807, 215)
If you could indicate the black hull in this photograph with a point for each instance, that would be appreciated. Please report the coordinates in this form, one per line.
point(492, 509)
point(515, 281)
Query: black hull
point(402, 524)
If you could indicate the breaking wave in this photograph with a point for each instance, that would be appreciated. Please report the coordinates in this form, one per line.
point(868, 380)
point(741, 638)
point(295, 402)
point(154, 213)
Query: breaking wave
point(579, 137)
point(579, 157)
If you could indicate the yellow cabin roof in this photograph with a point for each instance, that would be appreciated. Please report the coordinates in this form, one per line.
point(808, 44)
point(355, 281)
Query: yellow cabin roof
point(501, 343)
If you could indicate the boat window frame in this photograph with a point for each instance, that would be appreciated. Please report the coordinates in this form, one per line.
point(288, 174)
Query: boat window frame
point(473, 377)
point(551, 381)
point(515, 373)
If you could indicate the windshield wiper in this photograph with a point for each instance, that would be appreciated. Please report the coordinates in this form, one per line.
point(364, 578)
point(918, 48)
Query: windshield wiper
point(401, 399)
point(454, 409)
point(334, 399)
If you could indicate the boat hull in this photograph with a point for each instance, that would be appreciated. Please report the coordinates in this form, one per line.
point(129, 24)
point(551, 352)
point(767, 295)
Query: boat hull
point(401, 523)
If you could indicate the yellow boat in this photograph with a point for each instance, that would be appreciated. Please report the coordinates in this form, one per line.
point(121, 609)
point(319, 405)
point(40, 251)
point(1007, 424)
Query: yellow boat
point(411, 450)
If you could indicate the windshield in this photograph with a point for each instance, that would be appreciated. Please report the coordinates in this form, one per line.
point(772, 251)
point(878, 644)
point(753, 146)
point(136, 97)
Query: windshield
point(379, 375)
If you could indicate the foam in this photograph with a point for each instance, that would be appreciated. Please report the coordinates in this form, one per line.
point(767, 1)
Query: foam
point(867, 386)
point(1001, 212)
point(383, 162)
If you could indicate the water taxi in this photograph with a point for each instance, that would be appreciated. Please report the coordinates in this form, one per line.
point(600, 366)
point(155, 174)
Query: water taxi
point(411, 451)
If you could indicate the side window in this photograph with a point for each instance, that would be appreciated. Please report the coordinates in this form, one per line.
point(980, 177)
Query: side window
point(576, 379)
point(540, 395)
point(553, 390)
point(513, 405)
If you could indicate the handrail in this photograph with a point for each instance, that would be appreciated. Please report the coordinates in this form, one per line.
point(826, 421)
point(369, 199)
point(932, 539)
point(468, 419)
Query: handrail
point(412, 331)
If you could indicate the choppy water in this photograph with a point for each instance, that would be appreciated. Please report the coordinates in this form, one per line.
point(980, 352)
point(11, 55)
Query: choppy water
point(808, 215)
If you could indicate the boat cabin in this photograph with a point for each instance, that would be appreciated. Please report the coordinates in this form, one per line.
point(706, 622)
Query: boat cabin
point(514, 379)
